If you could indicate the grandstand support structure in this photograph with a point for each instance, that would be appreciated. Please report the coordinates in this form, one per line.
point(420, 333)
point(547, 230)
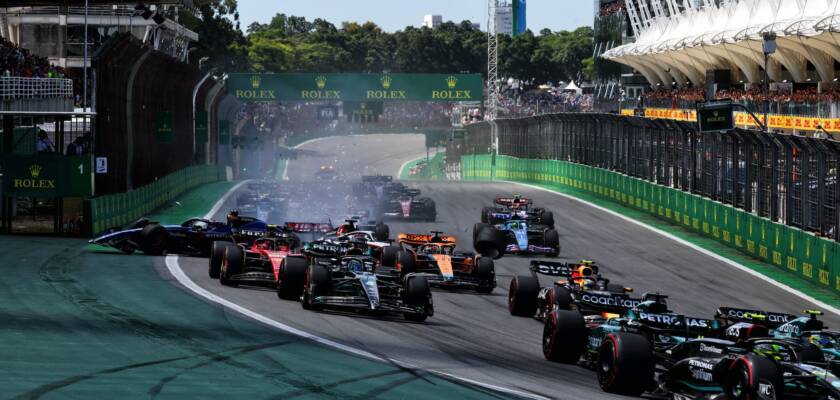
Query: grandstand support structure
point(492, 61)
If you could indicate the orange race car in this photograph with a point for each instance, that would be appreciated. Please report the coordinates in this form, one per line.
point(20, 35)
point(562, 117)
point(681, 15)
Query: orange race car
point(435, 256)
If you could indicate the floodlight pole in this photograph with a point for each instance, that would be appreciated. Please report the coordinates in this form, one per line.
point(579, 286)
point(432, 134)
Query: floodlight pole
point(85, 67)
point(769, 47)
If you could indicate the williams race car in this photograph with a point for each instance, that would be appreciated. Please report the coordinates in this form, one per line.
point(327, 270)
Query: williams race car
point(361, 283)
point(506, 208)
point(435, 258)
point(193, 237)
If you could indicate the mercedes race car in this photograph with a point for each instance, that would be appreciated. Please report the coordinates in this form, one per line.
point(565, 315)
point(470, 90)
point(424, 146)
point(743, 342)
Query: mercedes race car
point(516, 207)
point(579, 287)
point(517, 236)
point(193, 237)
point(361, 283)
point(435, 257)
point(410, 207)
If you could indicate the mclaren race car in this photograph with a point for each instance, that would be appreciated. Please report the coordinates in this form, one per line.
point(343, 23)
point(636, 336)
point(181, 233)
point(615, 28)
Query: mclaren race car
point(193, 237)
point(518, 207)
point(436, 258)
point(579, 287)
point(361, 283)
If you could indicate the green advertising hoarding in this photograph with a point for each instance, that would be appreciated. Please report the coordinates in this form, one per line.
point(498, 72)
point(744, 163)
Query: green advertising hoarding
point(164, 128)
point(201, 127)
point(356, 87)
point(47, 175)
point(224, 132)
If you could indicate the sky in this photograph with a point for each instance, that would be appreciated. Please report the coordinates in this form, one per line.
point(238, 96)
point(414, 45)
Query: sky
point(394, 15)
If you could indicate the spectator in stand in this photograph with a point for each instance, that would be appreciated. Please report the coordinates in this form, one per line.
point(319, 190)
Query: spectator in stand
point(611, 8)
point(44, 144)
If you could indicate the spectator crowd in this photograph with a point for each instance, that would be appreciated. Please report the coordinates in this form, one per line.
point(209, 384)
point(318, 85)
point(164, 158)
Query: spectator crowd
point(17, 61)
point(611, 8)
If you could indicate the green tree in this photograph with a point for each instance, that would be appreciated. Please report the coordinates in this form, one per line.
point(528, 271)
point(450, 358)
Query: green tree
point(221, 40)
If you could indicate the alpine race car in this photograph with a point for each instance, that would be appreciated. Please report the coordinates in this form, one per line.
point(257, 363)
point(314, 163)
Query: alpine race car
point(361, 283)
point(193, 237)
point(410, 207)
point(435, 258)
point(580, 287)
point(517, 236)
point(506, 208)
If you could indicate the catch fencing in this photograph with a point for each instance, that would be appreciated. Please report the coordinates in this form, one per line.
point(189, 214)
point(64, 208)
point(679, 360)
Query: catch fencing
point(772, 196)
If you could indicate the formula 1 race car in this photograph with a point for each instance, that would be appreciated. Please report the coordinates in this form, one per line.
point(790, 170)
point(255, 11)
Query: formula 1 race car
point(506, 208)
point(327, 172)
point(352, 229)
point(581, 287)
point(409, 207)
point(193, 237)
point(436, 259)
point(361, 283)
point(517, 236)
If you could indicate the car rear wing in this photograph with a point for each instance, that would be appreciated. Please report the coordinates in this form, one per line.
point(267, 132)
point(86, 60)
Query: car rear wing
point(550, 268)
point(377, 178)
point(418, 239)
point(509, 201)
point(309, 227)
point(672, 324)
point(771, 320)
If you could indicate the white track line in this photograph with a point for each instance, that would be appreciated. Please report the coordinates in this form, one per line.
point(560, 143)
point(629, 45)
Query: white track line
point(174, 267)
point(688, 244)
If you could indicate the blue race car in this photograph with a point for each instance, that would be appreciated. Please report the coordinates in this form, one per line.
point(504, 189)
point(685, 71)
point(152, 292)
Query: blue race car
point(506, 208)
point(517, 236)
point(193, 237)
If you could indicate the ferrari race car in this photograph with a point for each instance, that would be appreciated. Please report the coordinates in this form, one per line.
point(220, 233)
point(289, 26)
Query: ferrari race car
point(273, 260)
point(517, 236)
point(410, 207)
point(580, 287)
point(362, 283)
point(193, 237)
point(516, 207)
point(435, 258)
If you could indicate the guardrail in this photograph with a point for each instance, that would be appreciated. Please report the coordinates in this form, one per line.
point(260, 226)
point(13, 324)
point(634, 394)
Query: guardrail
point(19, 88)
point(102, 213)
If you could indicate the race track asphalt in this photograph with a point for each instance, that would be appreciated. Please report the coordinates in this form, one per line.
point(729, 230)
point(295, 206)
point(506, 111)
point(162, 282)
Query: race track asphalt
point(473, 336)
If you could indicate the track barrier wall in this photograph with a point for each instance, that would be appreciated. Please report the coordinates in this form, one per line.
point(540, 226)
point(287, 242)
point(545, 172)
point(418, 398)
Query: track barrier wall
point(791, 249)
point(109, 211)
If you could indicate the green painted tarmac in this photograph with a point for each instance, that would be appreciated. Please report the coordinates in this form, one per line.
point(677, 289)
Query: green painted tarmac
point(79, 322)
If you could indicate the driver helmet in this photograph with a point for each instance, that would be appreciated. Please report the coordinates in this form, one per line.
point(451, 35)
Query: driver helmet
point(264, 245)
point(822, 341)
point(284, 247)
point(232, 216)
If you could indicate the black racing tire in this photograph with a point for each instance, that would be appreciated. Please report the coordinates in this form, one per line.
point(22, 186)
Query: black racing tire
point(381, 231)
point(552, 239)
point(292, 278)
point(417, 294)
point(127, 248)
point(749, 375)
point(406, 263)
point(522, 296)
point(153, 239)
point(625, 364)
point(485, 214)
point(318, 283)
point(485, 271)
point(564, 336)
point(232, 264)
point(488, 241)
point(810, 354)
point(388, 259)
point(217, 254)
point(547, 218)
point(561, 298)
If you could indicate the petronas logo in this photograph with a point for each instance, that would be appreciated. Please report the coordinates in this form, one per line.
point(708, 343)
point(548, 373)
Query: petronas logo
point(321, 81)
point(386, 82)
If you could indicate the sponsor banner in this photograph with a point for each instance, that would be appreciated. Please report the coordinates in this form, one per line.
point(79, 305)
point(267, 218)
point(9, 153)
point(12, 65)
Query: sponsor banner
point(742, 119)
point(356, 87)
point(224, 132)
point(201, 127)
point(47, 176)
point(164, 128)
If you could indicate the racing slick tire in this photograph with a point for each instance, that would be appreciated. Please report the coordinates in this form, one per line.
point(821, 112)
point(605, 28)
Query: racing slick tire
point(485, 214)
point(217, 254)
point(406, 263)
point(128, 248)
point(153, 239)
point(488, 241)
point(388, 259)
point(318, 283)
point(431, 210)
point(522, 296)
point(381, 231)
point(417, 293)
point(547, 218)
point(751, 375)
point(625, 364)
point(292, 277)
point(561, 298)
point(232, 264)
point(564, 336)
point(485, 271)
point(552, 239)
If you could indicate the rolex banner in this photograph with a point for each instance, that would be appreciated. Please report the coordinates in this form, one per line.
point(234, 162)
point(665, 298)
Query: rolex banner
point(357, 87)
point(163, 128)
point(201, 127)
point(47, 176)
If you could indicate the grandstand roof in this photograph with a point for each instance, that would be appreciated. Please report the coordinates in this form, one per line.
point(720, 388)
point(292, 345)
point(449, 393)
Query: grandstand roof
point(683, 46)
point(23, 3)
